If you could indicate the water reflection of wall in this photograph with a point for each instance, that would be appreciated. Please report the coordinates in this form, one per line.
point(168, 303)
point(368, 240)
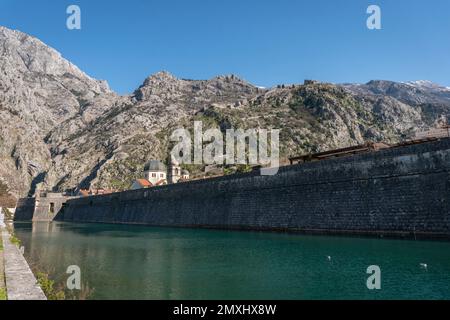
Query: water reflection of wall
point(112, 259)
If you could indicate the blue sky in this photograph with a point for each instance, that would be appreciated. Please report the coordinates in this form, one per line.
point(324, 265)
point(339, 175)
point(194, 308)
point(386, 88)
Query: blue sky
point(264, 42)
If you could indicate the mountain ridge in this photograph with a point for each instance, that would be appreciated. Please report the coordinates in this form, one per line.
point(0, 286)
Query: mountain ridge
point(61, 129)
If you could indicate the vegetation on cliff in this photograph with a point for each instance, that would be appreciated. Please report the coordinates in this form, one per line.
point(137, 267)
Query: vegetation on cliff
point(6, 199)
point(70, 131)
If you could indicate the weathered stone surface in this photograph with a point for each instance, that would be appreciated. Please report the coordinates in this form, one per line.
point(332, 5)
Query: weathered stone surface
point(48, 205)
point(398, 191)
point(61, 129)
point(20, 281)
point(42, 208)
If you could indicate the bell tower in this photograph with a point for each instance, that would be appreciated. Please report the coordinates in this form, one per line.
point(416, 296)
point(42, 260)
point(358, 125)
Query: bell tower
point(174, 172)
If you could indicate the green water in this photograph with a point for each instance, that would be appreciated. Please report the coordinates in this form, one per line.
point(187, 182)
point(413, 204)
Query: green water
point(136, 262)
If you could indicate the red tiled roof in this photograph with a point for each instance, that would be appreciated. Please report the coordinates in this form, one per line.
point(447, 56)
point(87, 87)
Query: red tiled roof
point(84, 193)
point(144, 182)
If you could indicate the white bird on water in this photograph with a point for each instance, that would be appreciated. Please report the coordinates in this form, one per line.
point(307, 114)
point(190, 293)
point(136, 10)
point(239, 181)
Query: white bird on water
point(329, 258)
point(423, 265)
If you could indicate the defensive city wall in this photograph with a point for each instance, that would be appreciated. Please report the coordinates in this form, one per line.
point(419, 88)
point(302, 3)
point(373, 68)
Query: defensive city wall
point(400, 191)
point(42, 208)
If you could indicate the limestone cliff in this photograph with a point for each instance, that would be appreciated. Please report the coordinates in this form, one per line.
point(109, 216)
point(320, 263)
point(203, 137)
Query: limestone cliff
point(61, 129)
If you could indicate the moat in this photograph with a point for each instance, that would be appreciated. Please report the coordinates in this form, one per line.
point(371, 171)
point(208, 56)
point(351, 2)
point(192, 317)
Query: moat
point(138, 262)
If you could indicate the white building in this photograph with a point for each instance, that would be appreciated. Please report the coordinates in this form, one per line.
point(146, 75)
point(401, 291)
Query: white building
point(156, 174)
point(185, 175)
point(175, 174)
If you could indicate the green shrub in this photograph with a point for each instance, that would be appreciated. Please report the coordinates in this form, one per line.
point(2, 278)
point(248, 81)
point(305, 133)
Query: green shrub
point(48, 286)
point(14, 240)
point(3, 295)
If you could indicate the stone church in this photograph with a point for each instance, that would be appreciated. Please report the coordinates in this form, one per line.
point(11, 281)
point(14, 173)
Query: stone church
point(156, 174)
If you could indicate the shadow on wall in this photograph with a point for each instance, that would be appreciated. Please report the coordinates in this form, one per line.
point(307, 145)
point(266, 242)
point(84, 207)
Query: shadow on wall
point(38, 179)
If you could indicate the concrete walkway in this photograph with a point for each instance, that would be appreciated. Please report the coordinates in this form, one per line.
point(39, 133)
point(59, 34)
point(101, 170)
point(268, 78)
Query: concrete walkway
point(20, 281)
point(2, 274)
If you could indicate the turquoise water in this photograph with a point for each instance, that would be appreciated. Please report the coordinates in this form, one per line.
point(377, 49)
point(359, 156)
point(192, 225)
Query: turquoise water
point(137, 262)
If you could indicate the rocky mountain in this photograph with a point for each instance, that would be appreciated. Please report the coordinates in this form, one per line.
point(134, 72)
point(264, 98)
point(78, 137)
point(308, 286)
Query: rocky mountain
point(6, 199)
point(39, 90)
point(413, 92)
point(61, 129)
point(429, 98)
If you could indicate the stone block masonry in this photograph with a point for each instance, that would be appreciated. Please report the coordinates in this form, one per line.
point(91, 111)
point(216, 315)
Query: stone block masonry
point(48, 205)
point(402, 191)
point(25, 209)
point(42, 208)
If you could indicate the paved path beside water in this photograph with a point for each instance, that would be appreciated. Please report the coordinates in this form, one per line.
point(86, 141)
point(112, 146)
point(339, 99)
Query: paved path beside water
point(20, 281)
point(2, 274)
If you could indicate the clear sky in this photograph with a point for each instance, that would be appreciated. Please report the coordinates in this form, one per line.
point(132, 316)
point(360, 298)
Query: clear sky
point(265, 42)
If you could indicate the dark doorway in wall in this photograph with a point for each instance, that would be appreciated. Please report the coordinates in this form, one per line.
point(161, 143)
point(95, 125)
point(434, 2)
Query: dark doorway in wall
point(52, 208)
